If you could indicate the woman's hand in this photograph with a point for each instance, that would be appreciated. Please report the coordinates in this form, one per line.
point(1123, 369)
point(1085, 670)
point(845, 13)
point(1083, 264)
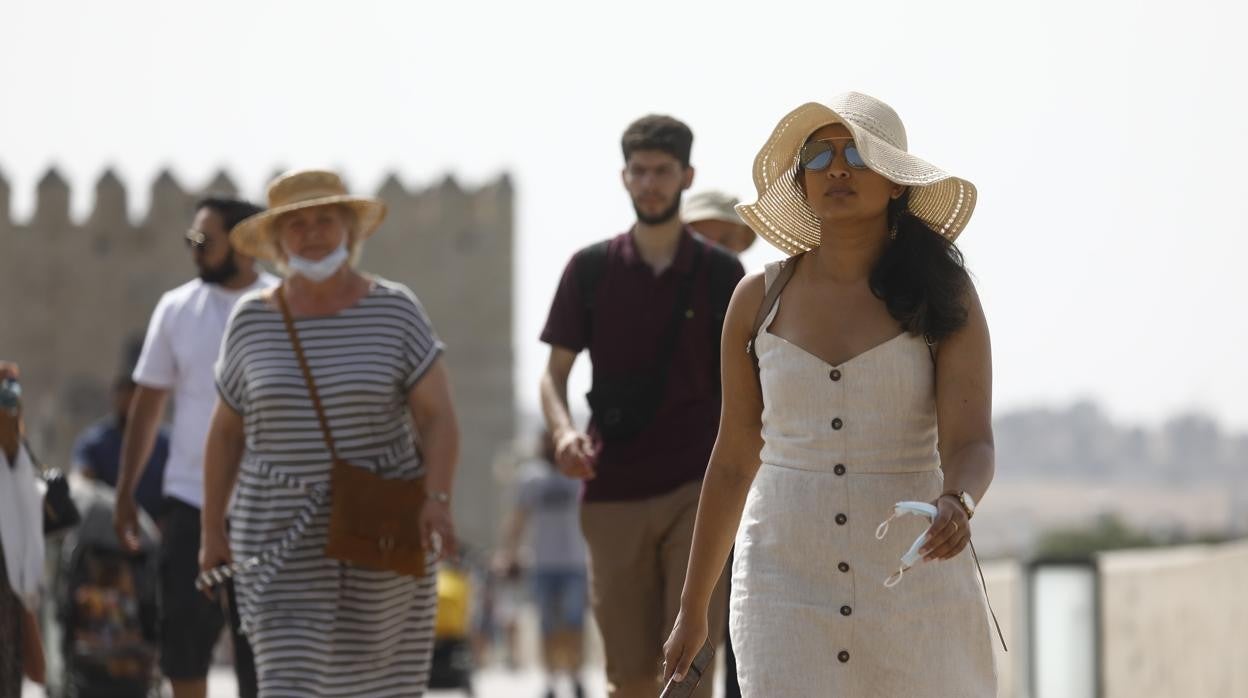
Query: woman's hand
point(950, 531)
point(437, 528)
point(214, 550)
point(688, 635)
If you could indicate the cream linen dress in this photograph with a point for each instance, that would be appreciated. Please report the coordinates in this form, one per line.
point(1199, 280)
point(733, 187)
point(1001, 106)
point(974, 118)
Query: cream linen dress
point(810, 615)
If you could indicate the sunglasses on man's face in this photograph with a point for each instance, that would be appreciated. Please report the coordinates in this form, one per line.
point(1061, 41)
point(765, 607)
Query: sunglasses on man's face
point(196, 239)
point(818, 155)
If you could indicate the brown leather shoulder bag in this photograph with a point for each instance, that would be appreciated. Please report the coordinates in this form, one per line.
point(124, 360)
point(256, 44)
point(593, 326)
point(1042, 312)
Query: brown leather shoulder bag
point(374, 522)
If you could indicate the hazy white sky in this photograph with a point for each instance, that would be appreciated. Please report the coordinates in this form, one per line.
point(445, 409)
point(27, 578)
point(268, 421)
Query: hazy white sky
point(1107, 139)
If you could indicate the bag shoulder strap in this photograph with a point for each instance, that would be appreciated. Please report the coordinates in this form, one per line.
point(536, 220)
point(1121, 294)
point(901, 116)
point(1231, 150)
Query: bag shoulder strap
point(772, 296)
point(722, 280)
point(591, 267)
point(280, 295)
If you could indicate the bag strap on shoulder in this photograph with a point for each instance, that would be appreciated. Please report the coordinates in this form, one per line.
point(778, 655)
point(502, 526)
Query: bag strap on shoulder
point(280, 295)
point(591, 267)
point(787, 267)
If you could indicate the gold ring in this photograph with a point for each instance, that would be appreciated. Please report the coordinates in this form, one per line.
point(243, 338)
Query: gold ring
point(955, 525)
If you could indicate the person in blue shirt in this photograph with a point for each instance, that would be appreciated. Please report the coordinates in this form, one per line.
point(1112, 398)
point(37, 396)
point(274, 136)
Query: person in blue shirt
point(97, 451)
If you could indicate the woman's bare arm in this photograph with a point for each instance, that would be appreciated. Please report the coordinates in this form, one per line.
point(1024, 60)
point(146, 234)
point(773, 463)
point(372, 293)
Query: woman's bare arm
point(735, 458)
point(223, 453)
point(964, 416)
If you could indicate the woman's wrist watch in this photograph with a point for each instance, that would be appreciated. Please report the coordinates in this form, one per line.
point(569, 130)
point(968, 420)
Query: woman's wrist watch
point(439, 497)
point(964, 500)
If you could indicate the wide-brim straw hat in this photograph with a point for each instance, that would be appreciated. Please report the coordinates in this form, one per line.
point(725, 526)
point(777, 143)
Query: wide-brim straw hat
point(298, 189)
point(781, 214)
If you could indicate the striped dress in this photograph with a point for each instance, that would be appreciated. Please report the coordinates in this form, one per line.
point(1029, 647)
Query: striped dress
point(320, 627)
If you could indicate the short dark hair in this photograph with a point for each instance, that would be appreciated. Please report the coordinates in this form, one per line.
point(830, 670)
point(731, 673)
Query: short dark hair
point(231, 210)
point(658, 132)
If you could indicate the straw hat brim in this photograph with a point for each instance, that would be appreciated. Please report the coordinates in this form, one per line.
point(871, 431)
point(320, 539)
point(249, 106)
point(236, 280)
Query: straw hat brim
point(781, 214)
point(254, 236)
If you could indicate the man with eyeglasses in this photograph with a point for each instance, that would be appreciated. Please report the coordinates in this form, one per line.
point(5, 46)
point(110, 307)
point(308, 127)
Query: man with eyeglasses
point(183, 339)
point(648, 305)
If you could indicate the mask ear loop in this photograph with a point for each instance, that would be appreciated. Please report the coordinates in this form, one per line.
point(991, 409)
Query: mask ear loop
point(882, 529)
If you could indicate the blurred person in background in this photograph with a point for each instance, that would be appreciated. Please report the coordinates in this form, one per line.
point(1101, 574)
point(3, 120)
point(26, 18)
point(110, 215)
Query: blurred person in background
point(713, 215)
point(181, 346)
point(21, 545)
point(97, 451)
point(647, 305)
point(546, 516)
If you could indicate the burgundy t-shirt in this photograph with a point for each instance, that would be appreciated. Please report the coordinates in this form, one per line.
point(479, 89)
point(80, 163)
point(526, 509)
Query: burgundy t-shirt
point(632, 309)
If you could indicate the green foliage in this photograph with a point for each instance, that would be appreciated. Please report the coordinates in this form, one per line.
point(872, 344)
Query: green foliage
point(1108, 533)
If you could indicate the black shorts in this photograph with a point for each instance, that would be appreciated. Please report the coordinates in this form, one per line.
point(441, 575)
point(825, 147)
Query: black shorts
point(190, 622)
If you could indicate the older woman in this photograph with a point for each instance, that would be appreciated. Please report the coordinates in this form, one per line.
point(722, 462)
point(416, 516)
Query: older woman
point(873, 387)
point(332, 373)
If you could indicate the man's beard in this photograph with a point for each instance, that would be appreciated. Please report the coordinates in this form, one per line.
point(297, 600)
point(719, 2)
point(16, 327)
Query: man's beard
point(663, 216)
point(221, 273)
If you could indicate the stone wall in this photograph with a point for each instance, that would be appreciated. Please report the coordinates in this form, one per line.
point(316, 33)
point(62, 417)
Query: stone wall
point(1174, 622)
point(73, 293)
point(1006, 589)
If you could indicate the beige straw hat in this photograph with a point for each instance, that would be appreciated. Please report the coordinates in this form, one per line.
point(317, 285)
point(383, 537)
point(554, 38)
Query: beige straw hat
point(303, 189)
point(781, 214)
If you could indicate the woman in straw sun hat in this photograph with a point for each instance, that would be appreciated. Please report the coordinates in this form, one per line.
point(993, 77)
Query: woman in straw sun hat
point(873, 387)
point(327, 384)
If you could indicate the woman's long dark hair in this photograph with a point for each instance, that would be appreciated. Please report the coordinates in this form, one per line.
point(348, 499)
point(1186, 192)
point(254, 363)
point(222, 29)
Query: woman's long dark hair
point(921, 276)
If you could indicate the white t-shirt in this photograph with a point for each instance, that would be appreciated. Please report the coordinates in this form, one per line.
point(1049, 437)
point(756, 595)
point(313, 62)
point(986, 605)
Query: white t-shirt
point(179, 353)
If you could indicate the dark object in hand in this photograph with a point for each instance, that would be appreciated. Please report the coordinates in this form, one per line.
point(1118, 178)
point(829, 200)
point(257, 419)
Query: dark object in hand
point(59, 511)
point(685, 688)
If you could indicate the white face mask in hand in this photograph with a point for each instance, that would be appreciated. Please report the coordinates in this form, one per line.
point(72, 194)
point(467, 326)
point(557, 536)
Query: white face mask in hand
point(320, 269)
point(912, 556)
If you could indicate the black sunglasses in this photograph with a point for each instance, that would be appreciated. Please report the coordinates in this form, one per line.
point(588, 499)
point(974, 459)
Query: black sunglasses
point(196, 239)
point(818, 155)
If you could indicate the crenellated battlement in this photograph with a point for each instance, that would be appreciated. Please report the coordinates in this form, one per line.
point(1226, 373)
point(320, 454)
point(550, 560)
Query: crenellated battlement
point(74, 292)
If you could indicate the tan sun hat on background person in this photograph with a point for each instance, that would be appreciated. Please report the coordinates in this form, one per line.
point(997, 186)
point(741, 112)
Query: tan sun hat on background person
point(298, 189)
point(710, 206)
point(715, 206)
point(781, 214)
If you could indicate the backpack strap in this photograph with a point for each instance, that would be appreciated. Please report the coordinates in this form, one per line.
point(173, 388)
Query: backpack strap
point(722, 281)
point(787, 267)
point(591, 267)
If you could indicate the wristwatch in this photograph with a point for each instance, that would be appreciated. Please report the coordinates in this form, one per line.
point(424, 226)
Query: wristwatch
point(440, 497)
point(965, 500)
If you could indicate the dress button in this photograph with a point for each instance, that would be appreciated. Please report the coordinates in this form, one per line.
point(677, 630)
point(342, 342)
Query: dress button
point(844, 567)
point(837, 424)
point(843, 656)
point(846, 610)
point(841, 519)
point(835, 374)
point(839, 469)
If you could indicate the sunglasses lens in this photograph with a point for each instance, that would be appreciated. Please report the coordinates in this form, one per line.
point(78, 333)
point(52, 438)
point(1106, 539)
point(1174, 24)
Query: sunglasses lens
point(854, 158)
point(817, 156)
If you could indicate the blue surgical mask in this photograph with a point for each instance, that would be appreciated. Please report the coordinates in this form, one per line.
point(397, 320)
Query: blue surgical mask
point(319, 269)
point(912, 556)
